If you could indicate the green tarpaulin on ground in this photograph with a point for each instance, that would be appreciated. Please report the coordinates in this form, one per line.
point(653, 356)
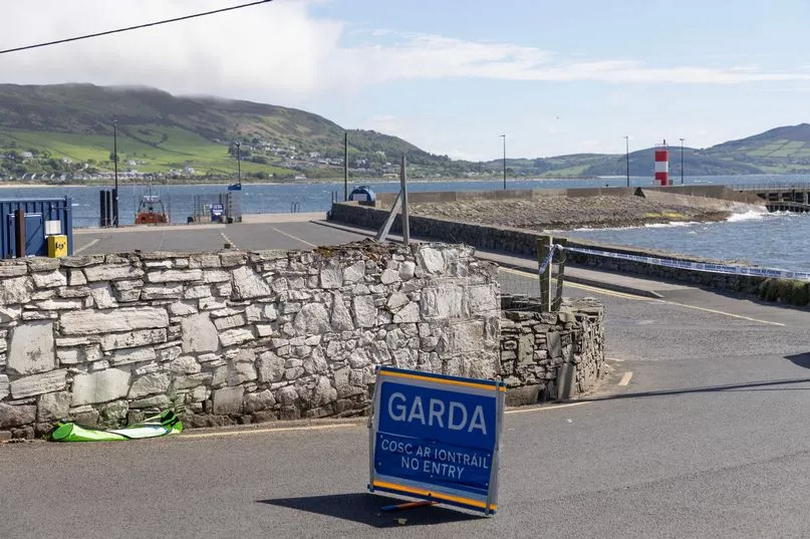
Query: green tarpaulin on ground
point(163, 425)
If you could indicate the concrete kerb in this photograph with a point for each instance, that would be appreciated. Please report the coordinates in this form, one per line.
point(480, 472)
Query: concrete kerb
point(529, 265)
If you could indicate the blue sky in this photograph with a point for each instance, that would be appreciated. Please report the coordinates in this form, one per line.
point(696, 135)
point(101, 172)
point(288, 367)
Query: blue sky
point(451, 76)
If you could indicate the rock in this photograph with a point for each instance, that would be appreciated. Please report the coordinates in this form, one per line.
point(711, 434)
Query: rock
point(37, 384)
point(287, 396)
point(133, 339)
point(263, 400)
point(180, 308)
point(32, 348)
point(389, 276)
point(100, 386)
point(136, 355)
point(341, 320)
point(108, 272)
point(270, 312)
point(482, 298)
point(76, 278)
point(242, 367)
point(51, 279)
point(444, 302)
point(16, 290)
point(160, 402)
point(16, 416)
point(149, 384)
point(162, 292)
point(9, 313)
point(184, 365)
point(397, 300)
point(124, 319)
point(5, 388)
point(271, 368)
point(10, 268)
point(247, 284)
point(216, 276)
point(331, 275)
point(174, 276)
point(53, 406)
point(199, 334)
point(323, 393)
point(236, 336)
point(365, 313)
point(228, 400)
point(192, 381)
point(408, 314)
point(432, 260)
point(312, 319)
point(355, 272)
point(406, 270)
point(114, 413)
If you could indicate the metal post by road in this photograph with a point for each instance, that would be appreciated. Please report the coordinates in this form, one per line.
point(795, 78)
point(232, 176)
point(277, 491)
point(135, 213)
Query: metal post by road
point(406, 225)
point(563, 258)
point(544, 245)
point(345, 166)
point(239, 163)
point(682, 160)
point(627, 145)
point(115, 165)
point(504, 161)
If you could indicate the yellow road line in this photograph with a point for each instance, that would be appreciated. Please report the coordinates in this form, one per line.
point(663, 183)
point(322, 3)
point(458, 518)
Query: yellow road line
point(226, 433)
point(293, 237)
point(635, 297)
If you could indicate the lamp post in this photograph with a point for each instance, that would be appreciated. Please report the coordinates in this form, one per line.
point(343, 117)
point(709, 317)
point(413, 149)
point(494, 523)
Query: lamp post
point(504, 161)
point(627, 153)
point(115, 172)
point(682, 160)
point(238, 163)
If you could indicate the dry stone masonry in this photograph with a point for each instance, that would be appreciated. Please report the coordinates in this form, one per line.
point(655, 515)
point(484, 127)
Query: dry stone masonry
point(235, 336)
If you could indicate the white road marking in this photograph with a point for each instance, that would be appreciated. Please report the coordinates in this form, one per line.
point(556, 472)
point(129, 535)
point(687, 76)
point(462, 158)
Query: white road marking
point(614, 359)
point(228, 240)
point(651, 300)
point(625, 381)
point(293, 237)
point(545, 408)
point(84, 247)
point(227, 433)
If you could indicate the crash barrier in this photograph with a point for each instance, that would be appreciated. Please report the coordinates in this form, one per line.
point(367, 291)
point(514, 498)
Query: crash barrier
point(524, 242)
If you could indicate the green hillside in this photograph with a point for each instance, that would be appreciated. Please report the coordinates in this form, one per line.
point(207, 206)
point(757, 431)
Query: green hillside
point(68, 129)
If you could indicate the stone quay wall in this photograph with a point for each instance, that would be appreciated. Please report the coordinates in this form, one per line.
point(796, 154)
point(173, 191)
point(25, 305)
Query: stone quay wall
point(234, 336)
point(551, 356)
point(524, 242)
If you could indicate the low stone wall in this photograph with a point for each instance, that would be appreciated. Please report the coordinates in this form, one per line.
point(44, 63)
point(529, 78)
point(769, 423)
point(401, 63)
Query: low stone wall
point(234, 336)
point(551, 356)
point(524, 242)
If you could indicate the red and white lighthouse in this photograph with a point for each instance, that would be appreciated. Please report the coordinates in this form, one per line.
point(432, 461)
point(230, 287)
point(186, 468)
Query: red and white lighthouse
point(662, 164)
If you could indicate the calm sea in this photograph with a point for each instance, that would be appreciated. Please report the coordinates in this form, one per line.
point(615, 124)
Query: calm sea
point(774, 240)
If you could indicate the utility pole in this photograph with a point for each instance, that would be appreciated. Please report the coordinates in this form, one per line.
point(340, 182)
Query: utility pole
point(504, 161)
point(345, 166)
point(115, 168)
point(627, 153)
point(682, 160)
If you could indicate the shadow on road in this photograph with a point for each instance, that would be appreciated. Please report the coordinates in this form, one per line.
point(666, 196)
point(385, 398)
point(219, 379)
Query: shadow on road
point(802, 360)
point(365, 509)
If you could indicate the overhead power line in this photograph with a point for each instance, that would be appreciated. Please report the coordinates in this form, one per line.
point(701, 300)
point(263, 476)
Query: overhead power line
point(138, 27)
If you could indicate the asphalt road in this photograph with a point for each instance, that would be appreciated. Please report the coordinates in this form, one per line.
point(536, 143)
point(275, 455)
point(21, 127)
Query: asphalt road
point(245, 236)
point(710, 438)
point(707, 438)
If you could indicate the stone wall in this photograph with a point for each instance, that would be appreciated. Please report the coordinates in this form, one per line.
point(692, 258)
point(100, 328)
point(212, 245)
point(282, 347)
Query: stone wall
point(551, 356)
point(234, 336)
point(524, 242)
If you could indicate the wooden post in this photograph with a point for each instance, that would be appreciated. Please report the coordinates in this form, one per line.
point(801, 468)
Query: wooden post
point(406, 225)
point(19, 221)
point(544, 245)
point(563, 257)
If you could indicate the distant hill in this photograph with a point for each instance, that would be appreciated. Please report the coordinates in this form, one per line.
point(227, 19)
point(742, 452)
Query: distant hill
point(64, 133)
point(70, 125)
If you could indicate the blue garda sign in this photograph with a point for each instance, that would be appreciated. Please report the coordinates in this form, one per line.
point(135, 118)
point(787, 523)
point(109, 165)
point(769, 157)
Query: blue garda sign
point(437, 438)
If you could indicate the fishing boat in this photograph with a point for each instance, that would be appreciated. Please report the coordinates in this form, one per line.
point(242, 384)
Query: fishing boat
point(151, 211)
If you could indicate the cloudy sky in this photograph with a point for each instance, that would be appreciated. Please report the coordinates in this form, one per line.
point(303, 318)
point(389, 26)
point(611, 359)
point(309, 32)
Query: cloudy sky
point(451, 75)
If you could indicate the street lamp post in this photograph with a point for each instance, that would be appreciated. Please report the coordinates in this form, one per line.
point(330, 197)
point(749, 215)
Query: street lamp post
point(504, 161)
point(115, 169)
point(682, 160)
point(627, 153)
point(239, 163)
